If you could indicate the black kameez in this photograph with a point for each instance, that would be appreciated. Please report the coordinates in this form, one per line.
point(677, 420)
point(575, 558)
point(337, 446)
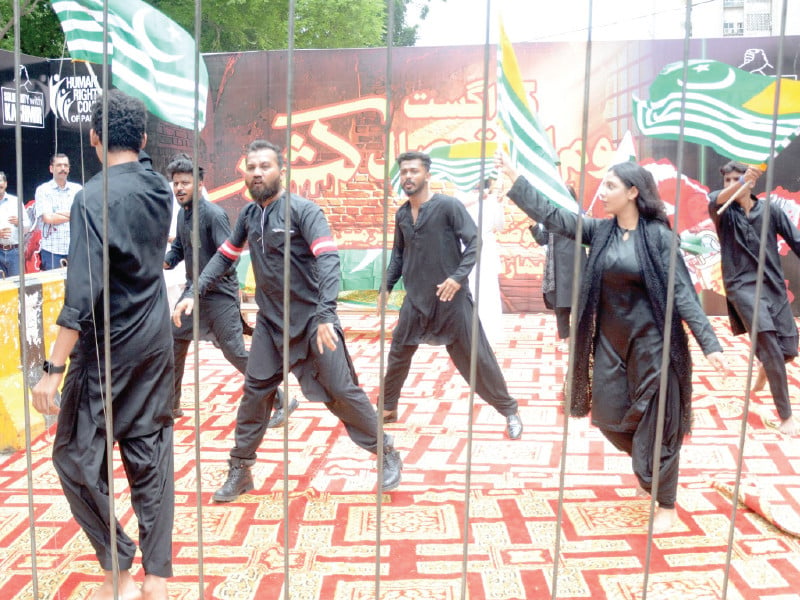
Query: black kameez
point(740, 239)
point(628, 340)
point(139, 206)
point(425, 253)
point(558, 274)
point(314, 285)
point(219, 313)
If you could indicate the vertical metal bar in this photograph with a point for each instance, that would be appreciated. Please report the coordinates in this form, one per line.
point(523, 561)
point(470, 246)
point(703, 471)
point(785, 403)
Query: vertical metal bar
point(668, 317)
point(381, 306)
point(23, 315)
point(475, 325)
point(108, 400)
point(196, 198)
point(757, 307)
point(287, 263)
point(576, 279)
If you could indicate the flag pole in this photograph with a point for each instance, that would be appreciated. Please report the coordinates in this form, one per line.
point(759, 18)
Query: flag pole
point(730, 200)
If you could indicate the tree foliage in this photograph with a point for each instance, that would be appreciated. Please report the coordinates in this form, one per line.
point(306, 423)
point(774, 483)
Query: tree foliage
point(239, 25)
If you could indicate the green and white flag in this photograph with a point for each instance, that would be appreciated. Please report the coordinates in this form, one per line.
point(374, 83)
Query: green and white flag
point(151, 57)
point(528, 145)
point(458, 163)
point(727, 109)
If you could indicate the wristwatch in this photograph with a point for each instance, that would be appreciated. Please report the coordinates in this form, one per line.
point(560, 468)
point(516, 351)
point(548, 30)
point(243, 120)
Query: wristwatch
point(49, 367)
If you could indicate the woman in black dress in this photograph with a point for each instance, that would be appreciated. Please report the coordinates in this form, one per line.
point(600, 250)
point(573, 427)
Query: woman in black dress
point(621, 323)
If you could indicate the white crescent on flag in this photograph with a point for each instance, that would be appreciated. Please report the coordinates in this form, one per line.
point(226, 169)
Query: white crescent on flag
point(140, 28)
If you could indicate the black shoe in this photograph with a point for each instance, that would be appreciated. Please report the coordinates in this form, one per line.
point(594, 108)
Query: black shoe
point(390, 416)
point(392, 468)
point(247, 329)
point(240, 481)
point(279, 414)
point(514, 428)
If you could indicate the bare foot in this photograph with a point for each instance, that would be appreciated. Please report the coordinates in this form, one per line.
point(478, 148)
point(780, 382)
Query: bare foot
point(154, 588)
point(664, 519)
point(789, 426)
point(761, 380)
point(641, 492)
point(127, 587)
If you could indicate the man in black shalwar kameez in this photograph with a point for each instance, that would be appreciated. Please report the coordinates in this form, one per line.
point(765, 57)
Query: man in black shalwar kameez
point(220, 313)
point(430, 230)
point(139, 206)
point(739, 232)
point(318, 355)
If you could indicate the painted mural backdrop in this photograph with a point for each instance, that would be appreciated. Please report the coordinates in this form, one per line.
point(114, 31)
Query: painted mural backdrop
point(437, 96)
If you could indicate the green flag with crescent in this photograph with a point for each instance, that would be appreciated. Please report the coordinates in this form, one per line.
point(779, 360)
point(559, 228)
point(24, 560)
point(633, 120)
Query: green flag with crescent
point(151, 57)
point(727, 109)
point(458, 163)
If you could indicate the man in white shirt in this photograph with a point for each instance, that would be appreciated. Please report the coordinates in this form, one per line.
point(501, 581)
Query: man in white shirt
point(53, 203)
point(9, 229)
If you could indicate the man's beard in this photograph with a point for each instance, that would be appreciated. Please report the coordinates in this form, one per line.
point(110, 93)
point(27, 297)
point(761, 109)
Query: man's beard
point(413, 189)
point(263, 192)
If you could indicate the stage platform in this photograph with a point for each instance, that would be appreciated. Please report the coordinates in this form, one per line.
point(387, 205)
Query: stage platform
point(501, 495)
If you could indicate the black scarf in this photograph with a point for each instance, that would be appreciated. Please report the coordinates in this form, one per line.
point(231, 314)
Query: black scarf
point(654, 275)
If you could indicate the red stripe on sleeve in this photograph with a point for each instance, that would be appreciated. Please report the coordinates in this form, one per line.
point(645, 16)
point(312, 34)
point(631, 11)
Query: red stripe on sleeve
point(323, 244)
point(229, 251)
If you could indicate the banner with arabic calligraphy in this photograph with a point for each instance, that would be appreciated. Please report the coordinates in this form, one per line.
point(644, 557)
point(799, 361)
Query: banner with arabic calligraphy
point(339, 117)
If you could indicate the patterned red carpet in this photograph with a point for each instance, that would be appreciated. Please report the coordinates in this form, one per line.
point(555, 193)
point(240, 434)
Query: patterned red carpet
point(513, 496)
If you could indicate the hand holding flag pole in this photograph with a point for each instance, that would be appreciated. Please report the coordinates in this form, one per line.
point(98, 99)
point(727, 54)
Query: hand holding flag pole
point(747, 184)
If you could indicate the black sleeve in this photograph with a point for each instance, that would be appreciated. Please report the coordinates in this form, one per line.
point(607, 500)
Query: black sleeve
point(395, 269)
point(227, 253)
point(540, 235)
point(687, 304)
point(555, 218)
point(175, 253)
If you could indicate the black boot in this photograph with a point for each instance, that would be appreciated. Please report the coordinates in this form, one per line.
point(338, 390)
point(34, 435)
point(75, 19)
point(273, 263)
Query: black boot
point(240, 481)
point(392, 468)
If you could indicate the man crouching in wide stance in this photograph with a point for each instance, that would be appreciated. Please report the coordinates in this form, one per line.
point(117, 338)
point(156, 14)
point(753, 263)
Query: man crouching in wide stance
point(318, 356)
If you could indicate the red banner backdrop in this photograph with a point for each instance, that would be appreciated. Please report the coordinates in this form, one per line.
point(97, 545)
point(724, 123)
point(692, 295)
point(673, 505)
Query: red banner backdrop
point(339, 115)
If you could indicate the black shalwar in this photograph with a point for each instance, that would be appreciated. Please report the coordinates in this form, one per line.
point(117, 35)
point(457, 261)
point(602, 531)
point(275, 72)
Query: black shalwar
point(139, 207)
point(425, 253)
point(314, 286)
point(740, 238)
point(621, 324)
point(220, 316)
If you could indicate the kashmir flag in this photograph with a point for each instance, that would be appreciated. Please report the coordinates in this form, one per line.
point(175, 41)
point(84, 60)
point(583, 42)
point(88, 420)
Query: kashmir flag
point(151, 57)
point(529, 147)
point(725, 108)
point(458, 163)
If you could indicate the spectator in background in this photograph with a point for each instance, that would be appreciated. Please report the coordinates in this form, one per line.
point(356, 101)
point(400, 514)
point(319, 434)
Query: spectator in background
point(53, 203)
point(10, 230)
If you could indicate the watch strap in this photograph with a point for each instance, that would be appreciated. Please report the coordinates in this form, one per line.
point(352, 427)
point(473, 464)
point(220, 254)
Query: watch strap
point(49, 367)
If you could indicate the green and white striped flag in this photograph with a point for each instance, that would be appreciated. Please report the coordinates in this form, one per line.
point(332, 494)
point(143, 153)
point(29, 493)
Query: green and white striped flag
point(529, 147)
point(459, 163)
point(151, 57)
point(727, 109)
